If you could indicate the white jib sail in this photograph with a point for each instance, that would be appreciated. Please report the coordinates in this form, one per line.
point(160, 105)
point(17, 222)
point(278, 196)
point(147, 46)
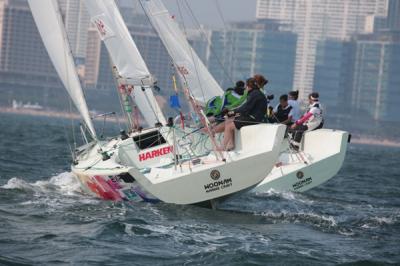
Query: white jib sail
point(125, 56)
point(46, 14)
point(201, 83)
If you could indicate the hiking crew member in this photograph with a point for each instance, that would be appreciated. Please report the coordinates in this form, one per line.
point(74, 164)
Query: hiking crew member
point(232, 98)
point(250, 113)
point(261, 82)
point(283, 112)
point(311, 120)
point(295, 104)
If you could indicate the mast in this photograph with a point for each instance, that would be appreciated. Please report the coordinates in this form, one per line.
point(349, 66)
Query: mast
point(130, 67)
point(48, 19)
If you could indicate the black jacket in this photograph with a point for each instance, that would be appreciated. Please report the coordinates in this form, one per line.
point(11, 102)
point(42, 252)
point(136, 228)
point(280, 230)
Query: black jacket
point(255, 106)
point(283, 113)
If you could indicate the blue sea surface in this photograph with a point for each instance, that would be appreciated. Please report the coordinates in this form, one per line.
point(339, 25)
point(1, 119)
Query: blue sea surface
point(46, 219)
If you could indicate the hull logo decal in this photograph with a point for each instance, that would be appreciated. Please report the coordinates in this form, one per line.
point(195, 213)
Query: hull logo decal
point(215, 174)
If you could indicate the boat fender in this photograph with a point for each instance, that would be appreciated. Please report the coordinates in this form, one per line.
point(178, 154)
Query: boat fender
point(349, 138)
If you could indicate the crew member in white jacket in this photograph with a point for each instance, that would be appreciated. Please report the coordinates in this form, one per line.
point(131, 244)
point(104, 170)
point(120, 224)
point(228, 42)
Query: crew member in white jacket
point(311, 120)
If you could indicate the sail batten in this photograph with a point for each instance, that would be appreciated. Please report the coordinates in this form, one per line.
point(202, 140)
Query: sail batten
point(48, 19)
point(191, 69)
point(131, 67)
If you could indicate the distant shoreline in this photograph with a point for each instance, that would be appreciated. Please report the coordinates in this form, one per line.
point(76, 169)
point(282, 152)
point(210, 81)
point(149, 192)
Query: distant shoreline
point(34, 112)
point(48, 113)
point(58, 114)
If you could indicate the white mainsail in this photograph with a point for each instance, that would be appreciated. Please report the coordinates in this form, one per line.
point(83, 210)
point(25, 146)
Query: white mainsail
point(46, 14)
point(125, 56)
point(201, 83)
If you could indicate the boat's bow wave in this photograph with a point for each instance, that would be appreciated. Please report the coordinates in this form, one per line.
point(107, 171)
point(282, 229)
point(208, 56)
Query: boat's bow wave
point(65, 184)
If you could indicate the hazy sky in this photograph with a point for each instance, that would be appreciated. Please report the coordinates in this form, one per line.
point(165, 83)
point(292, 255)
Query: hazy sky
point(206, 11)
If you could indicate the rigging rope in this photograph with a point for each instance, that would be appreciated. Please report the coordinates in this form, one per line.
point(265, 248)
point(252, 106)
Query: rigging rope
point(191, 51)
point(116, 81)
point(208, 42)
point(66, 53)
point(220, 13)
point(72, 124)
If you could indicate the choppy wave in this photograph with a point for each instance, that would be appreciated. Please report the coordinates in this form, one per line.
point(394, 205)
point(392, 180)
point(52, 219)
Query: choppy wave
point(54, 194)
point(47, 219)
point(65, 183)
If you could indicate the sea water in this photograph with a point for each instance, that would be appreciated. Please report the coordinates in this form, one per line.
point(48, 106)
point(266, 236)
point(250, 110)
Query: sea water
point(46, 219)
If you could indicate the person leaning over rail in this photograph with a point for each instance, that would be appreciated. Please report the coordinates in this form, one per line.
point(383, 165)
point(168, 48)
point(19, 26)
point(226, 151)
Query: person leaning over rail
point(231, 99)
point(311, 120)
point(294, 102)
point(283, 112)
point(262, 82)
point(250, 113)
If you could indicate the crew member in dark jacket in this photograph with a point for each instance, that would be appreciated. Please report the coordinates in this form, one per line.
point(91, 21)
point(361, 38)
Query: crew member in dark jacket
point(250, 113)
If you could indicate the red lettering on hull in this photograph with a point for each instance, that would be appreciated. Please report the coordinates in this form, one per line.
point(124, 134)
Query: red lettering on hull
point(155, 153)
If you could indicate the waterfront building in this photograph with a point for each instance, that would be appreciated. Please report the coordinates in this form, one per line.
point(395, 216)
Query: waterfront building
point(23, 58)
point(333, 77)
point(393, 20)
point(376, 86)
point(249, 48)
point(317, 20)
point(76, 21)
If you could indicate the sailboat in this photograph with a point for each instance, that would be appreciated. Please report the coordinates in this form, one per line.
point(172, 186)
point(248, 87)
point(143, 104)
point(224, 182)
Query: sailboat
point(322, 151)
point(156, 163)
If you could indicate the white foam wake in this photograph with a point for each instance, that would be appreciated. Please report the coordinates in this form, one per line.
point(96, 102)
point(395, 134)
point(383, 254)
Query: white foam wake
point(287, 195)
point(65, 183)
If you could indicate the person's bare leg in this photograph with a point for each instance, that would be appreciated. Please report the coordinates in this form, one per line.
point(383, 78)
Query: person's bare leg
point(219, 128)
point(229, 136)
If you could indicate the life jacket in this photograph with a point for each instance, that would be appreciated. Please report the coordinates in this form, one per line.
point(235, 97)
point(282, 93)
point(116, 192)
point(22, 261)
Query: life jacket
point(229, 100)
point(282, 114)
point(317, 116)
point(214, 106)
point(232, 100)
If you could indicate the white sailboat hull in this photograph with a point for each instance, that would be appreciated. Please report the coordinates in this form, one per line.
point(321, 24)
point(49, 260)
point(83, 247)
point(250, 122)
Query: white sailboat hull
point(118, 178)
point(324, 151)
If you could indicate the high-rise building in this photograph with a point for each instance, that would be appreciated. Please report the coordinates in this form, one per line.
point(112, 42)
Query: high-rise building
point(77, 21)
point(252, 48)
point(376, 86)
point(333, 77)
point(23, 57)
point(394, 15)
point(358, 78)
point(317, 20)
point(92, 61)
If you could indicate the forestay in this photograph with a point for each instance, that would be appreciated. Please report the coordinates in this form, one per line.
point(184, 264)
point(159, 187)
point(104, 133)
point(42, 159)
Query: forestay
point(46, 14)
point(201, 84)
point(125, 55)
